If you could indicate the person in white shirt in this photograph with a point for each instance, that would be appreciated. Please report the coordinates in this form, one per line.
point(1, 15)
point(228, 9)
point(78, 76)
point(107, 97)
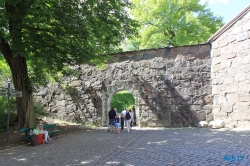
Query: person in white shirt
point(124, 114)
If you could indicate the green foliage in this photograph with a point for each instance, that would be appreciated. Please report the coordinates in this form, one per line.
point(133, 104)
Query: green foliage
point(57, 33)
point(4, 69)
point(122, 99)
point(172, 23)
point(3, 113)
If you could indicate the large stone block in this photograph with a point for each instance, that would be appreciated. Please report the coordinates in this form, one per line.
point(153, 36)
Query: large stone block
point(240, 77)
point(242, 36)
point(216, 60)
point(243, 124)
point(245, 97)
point(227, 108)
point(226, 64)
point(231, 38)
point(242, 115)
point(215, 68)
point(229, 80)
point(216, 52)
point(223, 43)
point(236, 29)
point(220, 115)
point(233, 97)
point(244, 87)
point(232, 88)
point(246, 26)
point(240, 108)
point(229, 55)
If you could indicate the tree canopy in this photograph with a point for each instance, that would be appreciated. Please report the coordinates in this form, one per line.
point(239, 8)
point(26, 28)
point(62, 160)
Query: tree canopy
point(172, 23)
point(40, 37)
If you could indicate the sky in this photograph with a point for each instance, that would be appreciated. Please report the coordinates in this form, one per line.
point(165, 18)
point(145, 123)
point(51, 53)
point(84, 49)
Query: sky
point(227, 9)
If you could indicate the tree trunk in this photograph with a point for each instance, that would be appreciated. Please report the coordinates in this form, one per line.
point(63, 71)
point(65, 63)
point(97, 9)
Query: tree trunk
point(21, 82)
point(19, 72)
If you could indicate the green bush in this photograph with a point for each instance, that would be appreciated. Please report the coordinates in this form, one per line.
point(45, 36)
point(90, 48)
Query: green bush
point(122, 99)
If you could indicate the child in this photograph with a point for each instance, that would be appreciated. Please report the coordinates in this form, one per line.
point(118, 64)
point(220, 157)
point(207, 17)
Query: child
point(117, 124)
point(122, 121)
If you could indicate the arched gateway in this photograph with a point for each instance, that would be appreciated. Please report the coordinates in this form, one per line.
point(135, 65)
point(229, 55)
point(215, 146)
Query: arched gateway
point(171, 87)
point(130, 86)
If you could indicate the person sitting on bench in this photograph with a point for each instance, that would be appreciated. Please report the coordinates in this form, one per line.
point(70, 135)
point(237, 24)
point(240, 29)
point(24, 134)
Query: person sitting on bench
point(45, 132)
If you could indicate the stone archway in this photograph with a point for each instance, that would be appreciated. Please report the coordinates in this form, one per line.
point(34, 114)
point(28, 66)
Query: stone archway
point(117, 86)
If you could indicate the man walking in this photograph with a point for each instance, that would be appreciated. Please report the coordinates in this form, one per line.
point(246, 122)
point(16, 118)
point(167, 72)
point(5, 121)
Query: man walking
point(128, 120)
point(112, 114)
point(124, 114)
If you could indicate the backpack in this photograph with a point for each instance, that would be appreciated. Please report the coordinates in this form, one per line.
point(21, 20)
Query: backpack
point(29, 132)
point(128, 116)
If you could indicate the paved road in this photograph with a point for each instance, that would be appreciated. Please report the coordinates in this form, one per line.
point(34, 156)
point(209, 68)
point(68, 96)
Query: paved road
point(141, 147)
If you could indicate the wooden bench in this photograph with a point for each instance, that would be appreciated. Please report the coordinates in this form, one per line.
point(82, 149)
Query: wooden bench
point(53, 131)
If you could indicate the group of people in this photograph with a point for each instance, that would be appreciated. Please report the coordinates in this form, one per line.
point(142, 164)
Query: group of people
point(126, 119)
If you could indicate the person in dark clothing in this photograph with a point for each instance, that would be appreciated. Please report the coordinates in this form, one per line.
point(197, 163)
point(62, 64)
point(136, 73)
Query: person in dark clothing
point(133, 110)
point(112, 114)
point(122, 122)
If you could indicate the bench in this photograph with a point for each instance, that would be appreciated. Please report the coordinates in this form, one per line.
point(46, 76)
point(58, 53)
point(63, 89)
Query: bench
point(47, 127)
point(51, 132)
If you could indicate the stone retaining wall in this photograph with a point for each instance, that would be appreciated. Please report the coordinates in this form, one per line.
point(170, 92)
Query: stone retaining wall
point(171, 87)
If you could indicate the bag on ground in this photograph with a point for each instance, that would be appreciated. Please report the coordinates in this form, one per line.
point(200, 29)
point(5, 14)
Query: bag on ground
point(34, 140)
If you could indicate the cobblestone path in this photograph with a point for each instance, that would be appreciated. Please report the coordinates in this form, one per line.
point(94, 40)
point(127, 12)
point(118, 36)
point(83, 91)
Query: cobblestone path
point(140, 147)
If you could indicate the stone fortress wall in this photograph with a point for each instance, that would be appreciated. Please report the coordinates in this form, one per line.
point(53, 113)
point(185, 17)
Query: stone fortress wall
point(171, 87)
point(230, 72)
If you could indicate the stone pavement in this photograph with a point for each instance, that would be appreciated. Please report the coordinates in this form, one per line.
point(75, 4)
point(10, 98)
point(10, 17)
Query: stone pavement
point(141, 147)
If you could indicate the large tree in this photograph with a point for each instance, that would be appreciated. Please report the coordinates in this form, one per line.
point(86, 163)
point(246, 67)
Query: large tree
point(172, 23)
point(41, 37)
